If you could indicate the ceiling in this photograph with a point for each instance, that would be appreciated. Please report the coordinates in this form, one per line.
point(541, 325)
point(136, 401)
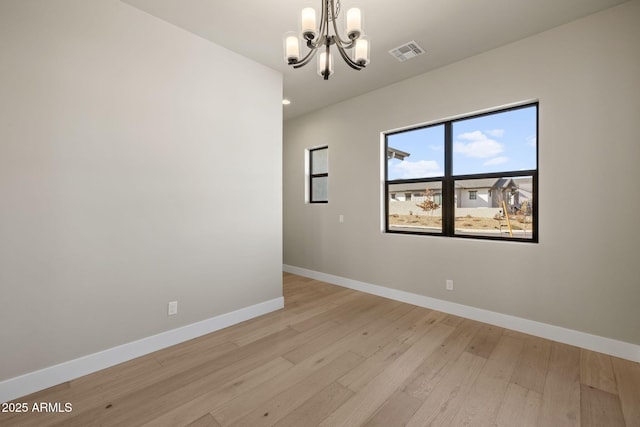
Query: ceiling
point(449, 30)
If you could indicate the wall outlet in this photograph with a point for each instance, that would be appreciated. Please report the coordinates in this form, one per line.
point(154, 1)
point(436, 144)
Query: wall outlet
point(173, 308)
point(449, 284)
point(341, 219)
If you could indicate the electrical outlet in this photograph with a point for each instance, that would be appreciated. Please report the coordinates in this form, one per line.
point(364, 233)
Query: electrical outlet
point(173, 308)
point(341, 219)
point(449, 284)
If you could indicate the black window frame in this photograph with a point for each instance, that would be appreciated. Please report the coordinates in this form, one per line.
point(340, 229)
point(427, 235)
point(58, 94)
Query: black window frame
point(317, 175)
point(448, 181)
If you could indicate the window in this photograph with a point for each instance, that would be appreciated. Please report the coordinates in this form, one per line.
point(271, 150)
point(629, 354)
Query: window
point(474, 177)
point(319, 175)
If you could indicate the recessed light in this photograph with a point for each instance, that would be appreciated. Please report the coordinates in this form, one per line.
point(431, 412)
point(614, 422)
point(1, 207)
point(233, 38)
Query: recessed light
point(286, 102)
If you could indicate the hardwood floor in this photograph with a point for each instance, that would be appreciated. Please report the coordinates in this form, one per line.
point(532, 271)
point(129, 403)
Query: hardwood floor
point(336, 357)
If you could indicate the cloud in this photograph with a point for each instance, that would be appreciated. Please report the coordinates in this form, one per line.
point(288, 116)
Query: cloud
point(479, 145)
point(496, 161)
point(532, 141)
point(419, 169)
point(497, 133)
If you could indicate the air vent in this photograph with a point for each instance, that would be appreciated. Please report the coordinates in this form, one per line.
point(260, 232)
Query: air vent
point(407, 51)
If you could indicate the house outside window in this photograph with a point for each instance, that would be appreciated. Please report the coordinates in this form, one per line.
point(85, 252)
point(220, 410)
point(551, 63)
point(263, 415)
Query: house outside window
point(472, 177)
point(318, 164)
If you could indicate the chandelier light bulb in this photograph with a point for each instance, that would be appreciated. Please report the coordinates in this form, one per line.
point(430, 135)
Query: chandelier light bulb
point(323, 66)
point(361, 52)
point(292, 48)
point(354, 23)
point(309, 23)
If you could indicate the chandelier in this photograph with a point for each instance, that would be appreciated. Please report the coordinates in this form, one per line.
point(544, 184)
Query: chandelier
point(320, 39)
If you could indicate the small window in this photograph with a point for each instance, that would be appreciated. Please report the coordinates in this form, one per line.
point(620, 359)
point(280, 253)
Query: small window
point(319, 175)
point(473, 195)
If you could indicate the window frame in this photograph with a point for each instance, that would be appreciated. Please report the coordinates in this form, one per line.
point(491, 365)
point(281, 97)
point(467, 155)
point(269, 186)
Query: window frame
point(448, 180)
point(310, 152)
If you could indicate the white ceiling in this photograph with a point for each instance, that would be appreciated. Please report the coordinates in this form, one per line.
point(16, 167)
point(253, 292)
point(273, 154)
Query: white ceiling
point(449, 30)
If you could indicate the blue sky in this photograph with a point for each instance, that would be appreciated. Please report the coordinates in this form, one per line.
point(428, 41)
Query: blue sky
point(493, 143)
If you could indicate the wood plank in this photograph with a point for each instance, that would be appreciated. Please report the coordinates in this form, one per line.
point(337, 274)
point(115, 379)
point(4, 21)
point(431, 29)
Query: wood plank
point(318, 407)
point(453, 320)
point(485, 397)
point(401, 329)
point(206, 420)
point(561, 395)
point(532, 366)
point(427, 321)
point(396, 411)
point(628, 381)
point(596, 371)
point(278, 407)
point(341, 313)
point(359, 320)
point(193, 354)
point(280, 324)
point(485, 340)
point(599, 408)
point(334, 298)
point(446, 398)
point(373, 333)
point(364, 403)
point(431, 371)
point(359, 377)
point(204, 403)
point(407, 331)
point(520, 407)
point(235, 409)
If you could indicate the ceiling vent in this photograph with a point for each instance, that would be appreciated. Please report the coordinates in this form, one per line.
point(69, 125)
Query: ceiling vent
point(407, 51)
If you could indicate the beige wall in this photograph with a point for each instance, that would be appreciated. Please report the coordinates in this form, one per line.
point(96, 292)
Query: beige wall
point(121, 137)
point(583, 274)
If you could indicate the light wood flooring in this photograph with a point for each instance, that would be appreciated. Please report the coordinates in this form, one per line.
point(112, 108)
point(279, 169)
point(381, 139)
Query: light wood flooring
point(336, 357)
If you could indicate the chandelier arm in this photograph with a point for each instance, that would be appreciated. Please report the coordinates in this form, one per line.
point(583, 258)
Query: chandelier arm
point(347, 43)
point(319, 42)
point(313, 47)
point(350, 62)
point(304, 61)
point(343, 44)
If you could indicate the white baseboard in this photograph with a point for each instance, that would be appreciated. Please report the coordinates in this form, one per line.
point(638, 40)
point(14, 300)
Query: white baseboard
point(48, 377)
point(600, 344)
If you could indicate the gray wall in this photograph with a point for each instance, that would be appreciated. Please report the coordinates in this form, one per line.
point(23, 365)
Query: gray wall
point(583, 274)
point(120, 137)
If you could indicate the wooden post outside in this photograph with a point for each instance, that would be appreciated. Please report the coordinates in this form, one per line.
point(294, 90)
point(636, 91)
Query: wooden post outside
point(506, 214)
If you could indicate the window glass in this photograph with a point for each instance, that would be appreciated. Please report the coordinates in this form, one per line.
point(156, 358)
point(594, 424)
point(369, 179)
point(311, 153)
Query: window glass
point(320, 189)
point(417, 153)
point(319, 161)
point(503, 207)
point(415, 207)
point(498, 142)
